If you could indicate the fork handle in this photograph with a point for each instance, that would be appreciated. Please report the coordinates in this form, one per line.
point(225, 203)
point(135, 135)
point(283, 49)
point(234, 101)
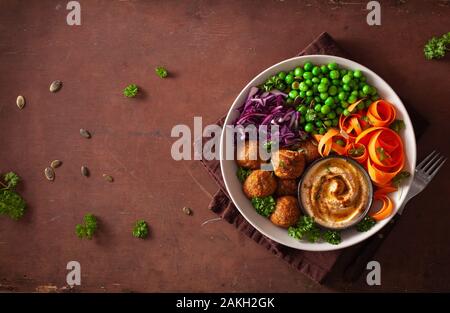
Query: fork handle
point(367, 251)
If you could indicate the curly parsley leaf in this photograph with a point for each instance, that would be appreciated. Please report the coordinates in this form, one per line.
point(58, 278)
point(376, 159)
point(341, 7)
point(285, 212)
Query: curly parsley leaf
point(397, 125)
point(332, 237)
point(366, 224)
point(161, 72)
point(437, 47)
point(242, 174)
point(140, 229)
point(264, 206)
point(11, 203)
point(400, 177)
point(88, 228)
point(131, 91)
point(305, 229)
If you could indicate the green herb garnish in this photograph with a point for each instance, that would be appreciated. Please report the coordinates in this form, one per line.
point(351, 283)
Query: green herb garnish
point(332, 237)
point(400, 177)
point(11, 203)
point(437, 47)
point(365, 224)
point(161, 72)
point(356, 152)
point(140, 229)
point(131, 91)
point(264, 206)
point(242, 174)
point(88, 228)
point(397, 125)
point(382, 154)
point(305, 228)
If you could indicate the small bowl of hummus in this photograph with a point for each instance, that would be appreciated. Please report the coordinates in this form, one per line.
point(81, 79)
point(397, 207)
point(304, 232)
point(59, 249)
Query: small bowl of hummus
point(336, 191)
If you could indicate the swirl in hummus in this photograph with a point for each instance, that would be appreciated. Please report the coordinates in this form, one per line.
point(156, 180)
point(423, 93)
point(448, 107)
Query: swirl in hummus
point(336, 192)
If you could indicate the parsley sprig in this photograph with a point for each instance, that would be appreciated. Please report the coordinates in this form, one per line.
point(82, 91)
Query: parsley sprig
point(88, 228)
point(11, 203)
point(264, 205)
point(437, 47)
point(131, 91)
point(140, 229)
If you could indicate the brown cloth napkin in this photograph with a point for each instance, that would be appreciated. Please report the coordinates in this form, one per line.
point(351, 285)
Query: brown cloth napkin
point(315, 265)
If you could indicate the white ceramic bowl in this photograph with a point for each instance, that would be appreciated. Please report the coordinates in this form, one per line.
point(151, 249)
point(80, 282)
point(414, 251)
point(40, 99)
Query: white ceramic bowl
point(262, 224)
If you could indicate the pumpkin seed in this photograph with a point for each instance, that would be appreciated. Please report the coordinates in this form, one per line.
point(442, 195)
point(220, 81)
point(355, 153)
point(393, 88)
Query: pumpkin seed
point(55, 86)
point(84, 171)
point(187, 211)
point(108, 178)
point(55, 164)
point(49, 173)
point(84, 133)
point(20, 102)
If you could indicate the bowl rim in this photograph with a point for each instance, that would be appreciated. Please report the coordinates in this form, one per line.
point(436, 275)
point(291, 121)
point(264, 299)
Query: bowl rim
point(411, 157)
point(361, 169)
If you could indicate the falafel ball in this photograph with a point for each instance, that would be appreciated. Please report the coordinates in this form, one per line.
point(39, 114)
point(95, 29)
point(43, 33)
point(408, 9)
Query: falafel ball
point(309, 149)
point(288, 164)
point(287, 212)
point(247, 155)
point(260, 184)
point(287, 187)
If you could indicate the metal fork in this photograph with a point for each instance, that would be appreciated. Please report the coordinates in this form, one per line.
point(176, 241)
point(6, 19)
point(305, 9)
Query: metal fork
point(423, 174)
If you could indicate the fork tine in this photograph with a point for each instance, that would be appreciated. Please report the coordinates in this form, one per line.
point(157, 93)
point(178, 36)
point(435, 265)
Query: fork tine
point(434, 165)
point(430, 163)
point(421, 164)
point(437, 169)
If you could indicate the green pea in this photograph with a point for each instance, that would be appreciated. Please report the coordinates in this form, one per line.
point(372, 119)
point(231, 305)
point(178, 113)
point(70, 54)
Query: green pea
point(366, 89)
point(319, 123)
point(332, 66)
point(331, 115)
point(373, 91)
point(320, 115)
point(317, 99)
point(309, 93)
point(325, 81)
point(354, 93)
point(317, 107)
point(335, 122)
point(329, 101)
point(324, 69)
point(322, 88)
point(291, 73)
point(295, 85)
point(361, 105)
point(302, 94)
point(289, 79)
point(375, 98)
point(315, 80)
point(309, 99)
point(344, 104)
point(315, 70)
point(325, 109)
point(309, 127)
point(303, 86)
point(346, 87)
point(322, 131)
point(352, 99)
point(308, 66)
point(298, 72)
point(339, 111)
point(357, 74)
point(315, 87)
point(342, 96)
point(302, 109)
point(282, 75)
point(293, 94)
point(363, 79)
point(309, 82)
point(307, 75)
point(328, 123)
point(334, 74)
point(346, 112)
point(336, 82)
point(332, 90)
point(343, 72)
point(346, 79)
point(323, 96)
point(367, 103)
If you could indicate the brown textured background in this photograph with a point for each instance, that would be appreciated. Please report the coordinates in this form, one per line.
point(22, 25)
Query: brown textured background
point(213, 48)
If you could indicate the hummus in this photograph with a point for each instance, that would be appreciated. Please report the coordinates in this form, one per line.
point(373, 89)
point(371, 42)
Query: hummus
point(336, 192)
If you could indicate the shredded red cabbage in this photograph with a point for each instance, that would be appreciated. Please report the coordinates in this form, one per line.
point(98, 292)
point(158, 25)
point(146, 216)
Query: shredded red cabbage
point(270, 108)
